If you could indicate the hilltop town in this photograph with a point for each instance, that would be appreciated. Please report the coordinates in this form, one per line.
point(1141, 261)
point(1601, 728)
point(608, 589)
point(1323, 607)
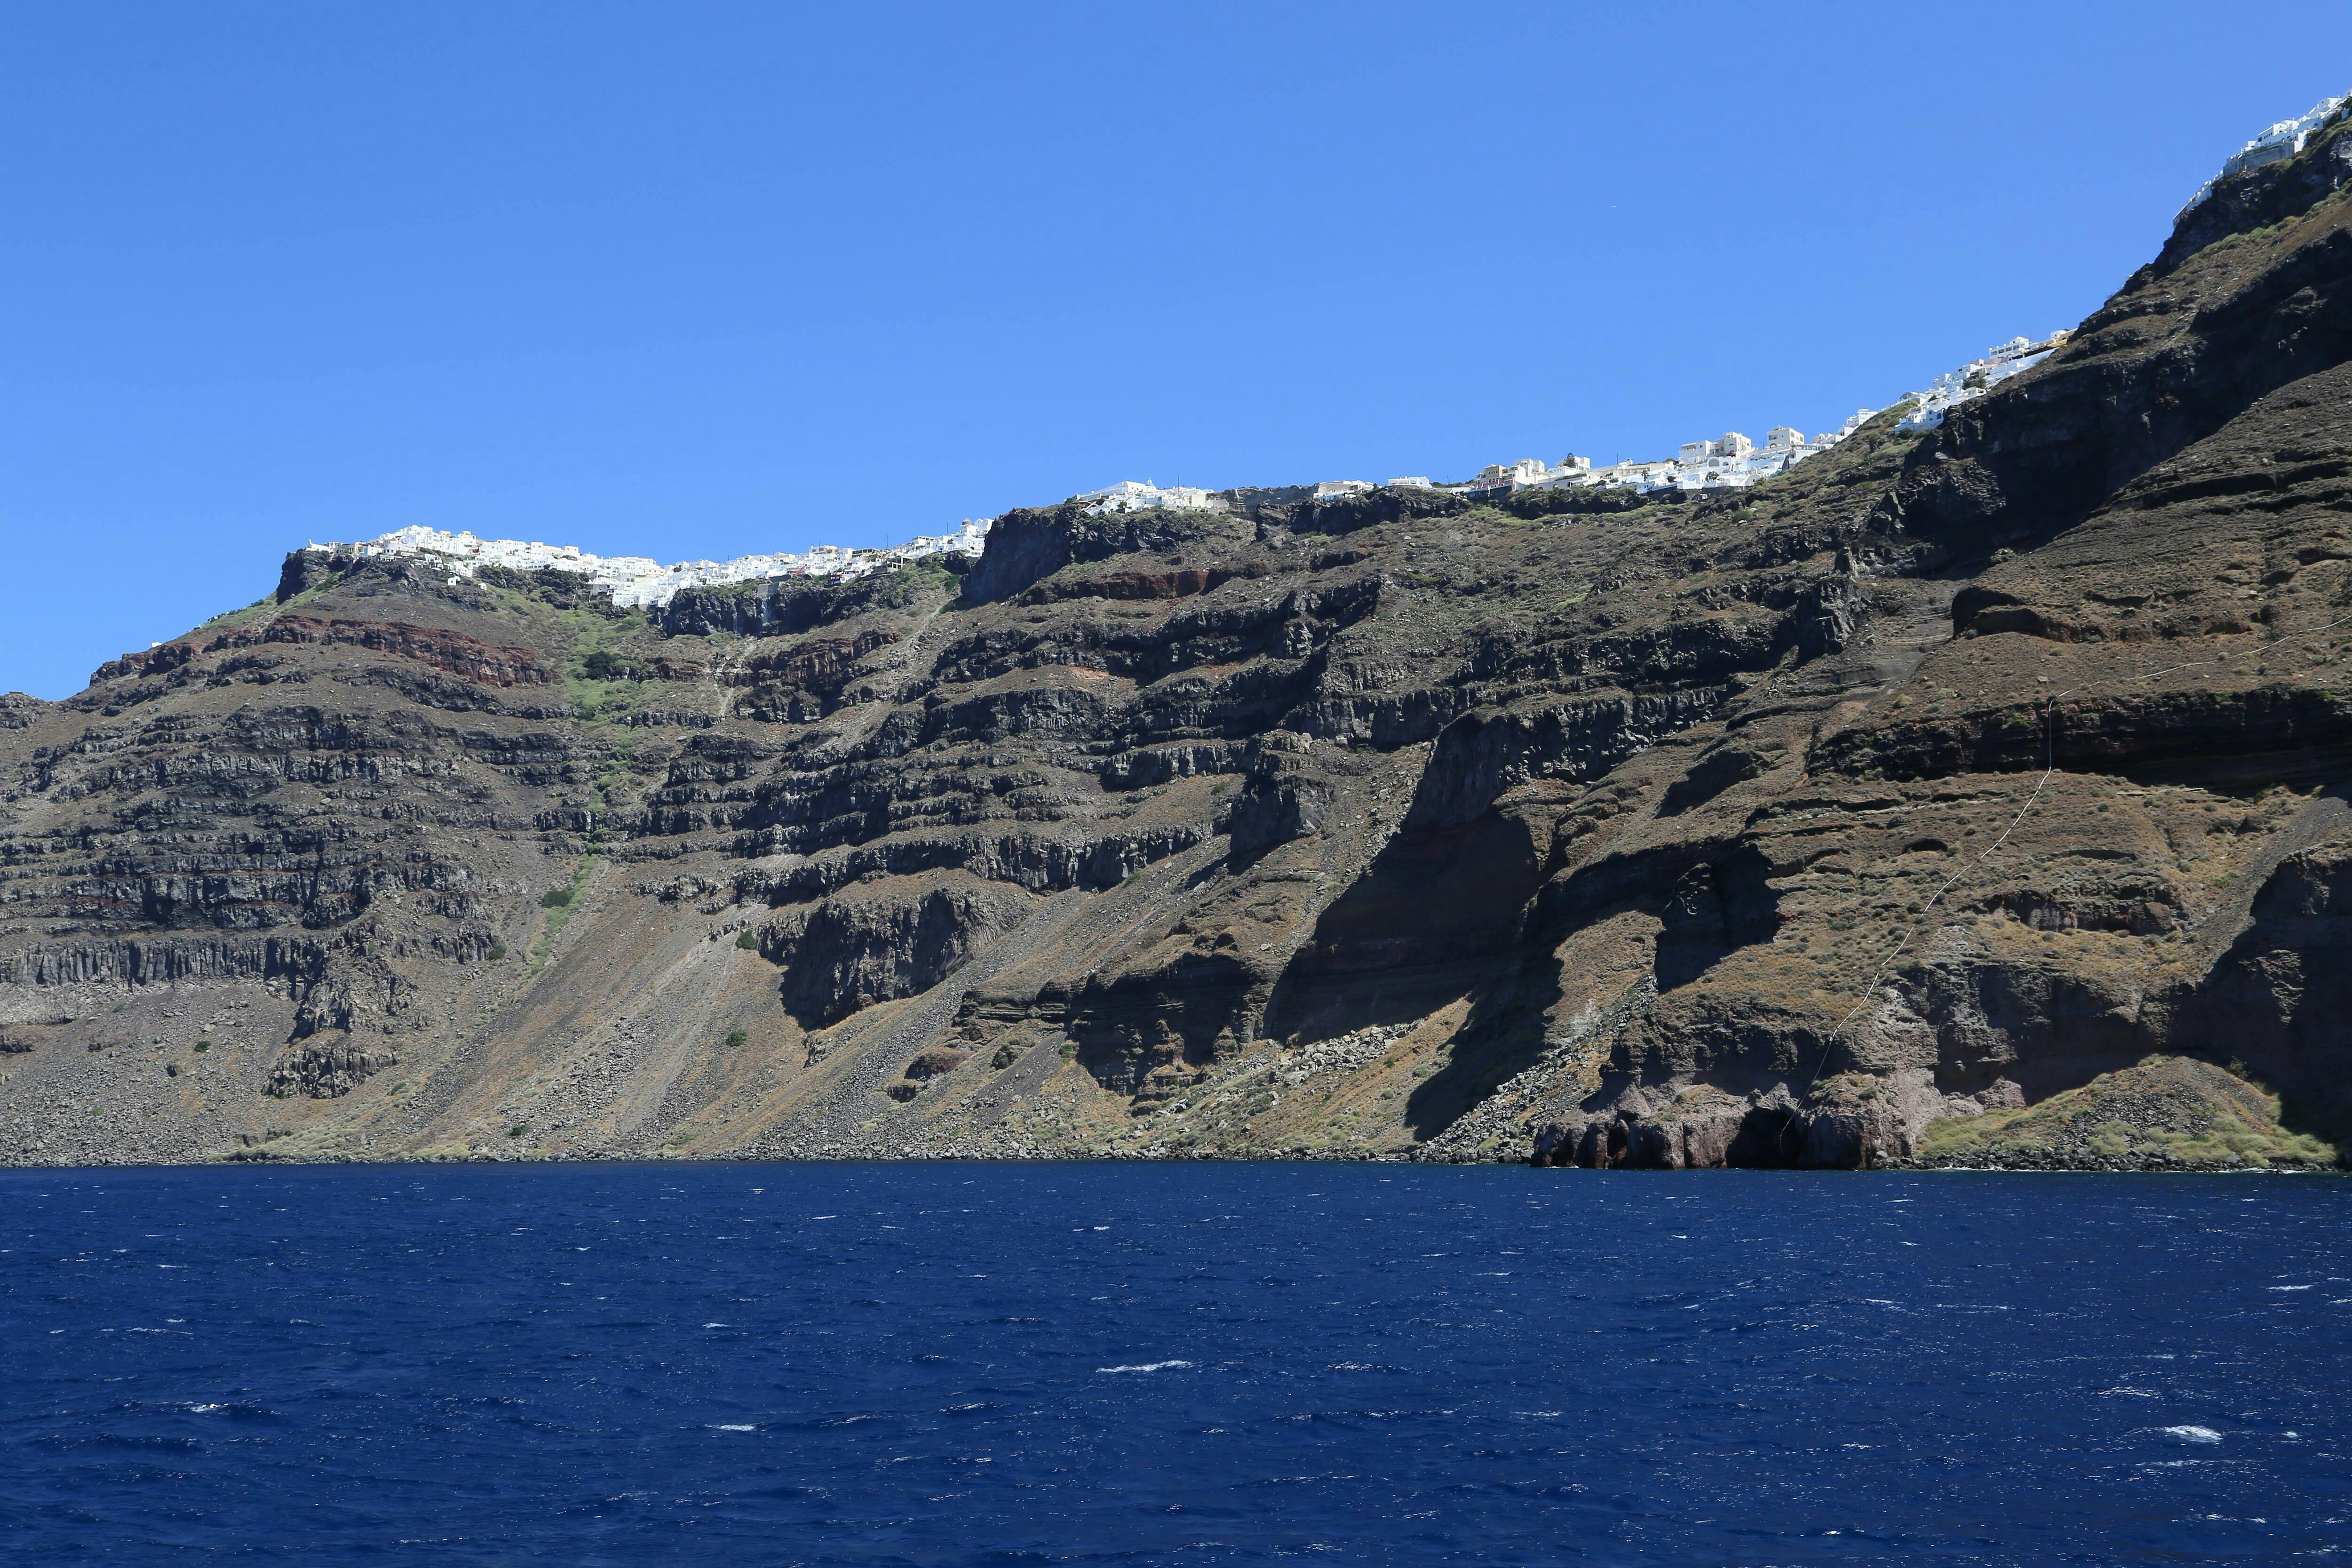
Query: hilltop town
point(2285, 140)
point(635, 582)
point(1729, 461)
point(1733, 461)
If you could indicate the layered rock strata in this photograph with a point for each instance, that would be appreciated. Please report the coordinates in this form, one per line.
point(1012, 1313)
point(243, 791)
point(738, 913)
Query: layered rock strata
point(1951, 775)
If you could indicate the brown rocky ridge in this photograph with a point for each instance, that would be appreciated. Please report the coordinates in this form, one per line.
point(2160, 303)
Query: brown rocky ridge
point(1970, 796)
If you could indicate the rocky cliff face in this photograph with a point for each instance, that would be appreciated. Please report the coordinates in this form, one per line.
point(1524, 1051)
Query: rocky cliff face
point(1929, 788)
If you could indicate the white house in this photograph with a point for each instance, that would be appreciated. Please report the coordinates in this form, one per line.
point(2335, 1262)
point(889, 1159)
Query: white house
point(2277, 144)
point(632, 581)
point(1976, 378)
point(1140, 495)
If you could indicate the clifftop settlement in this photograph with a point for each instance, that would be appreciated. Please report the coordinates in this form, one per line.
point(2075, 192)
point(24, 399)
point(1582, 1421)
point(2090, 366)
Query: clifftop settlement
point(1730, 460)
point(1727, 461)
point(634, 581)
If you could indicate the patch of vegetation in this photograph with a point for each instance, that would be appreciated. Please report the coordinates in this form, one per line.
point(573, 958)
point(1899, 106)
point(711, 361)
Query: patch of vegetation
point(558, 904)
point(748, 941)
point(204, 1045)
point(739, 1037)
point(2164, 1112)
point(518, 1130)
point(2242, 237)
point(600, 797)
point(598, 681)
point(250, 613)
point(326, 583)
point(605, 665)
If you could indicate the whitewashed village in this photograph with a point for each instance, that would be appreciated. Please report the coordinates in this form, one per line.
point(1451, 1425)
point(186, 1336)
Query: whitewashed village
point(1729, 461)
point(2275, 145)
point(635, 582)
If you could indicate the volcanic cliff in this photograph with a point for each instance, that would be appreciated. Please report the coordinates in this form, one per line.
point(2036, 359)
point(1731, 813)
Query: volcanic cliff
point(1894, 809)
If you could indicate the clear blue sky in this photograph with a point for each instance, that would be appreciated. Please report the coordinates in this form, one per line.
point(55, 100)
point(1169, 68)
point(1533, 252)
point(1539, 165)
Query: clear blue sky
point(686, 280)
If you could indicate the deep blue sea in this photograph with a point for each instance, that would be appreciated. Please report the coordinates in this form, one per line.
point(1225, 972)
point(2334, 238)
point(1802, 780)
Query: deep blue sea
point(1187, 1364)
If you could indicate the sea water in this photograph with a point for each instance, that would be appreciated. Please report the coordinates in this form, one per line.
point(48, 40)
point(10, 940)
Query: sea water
point(1170, 1363)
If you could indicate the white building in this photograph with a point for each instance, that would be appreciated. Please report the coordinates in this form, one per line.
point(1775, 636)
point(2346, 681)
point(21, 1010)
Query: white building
point(1571, 472)
point(634, 581)
point(1332, 490)
point(2275, 145)
point(1976, 378)
point(1633, 473)
point(1141, 495)
point(1854, 421)
point(1532, 473)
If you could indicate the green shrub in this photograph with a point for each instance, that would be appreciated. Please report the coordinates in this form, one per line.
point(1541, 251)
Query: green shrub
point(497, 950)
point(738, 1037)
point(204, 1045)
point(555, 899)
point(748, 941)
